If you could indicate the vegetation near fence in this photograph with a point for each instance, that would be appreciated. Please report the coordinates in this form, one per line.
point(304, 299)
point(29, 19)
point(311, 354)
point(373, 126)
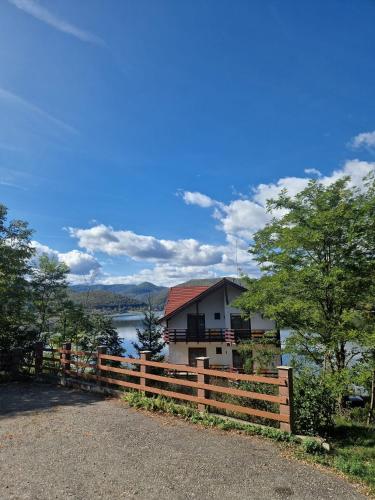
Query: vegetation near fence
point(194, 385)
point(260, 399)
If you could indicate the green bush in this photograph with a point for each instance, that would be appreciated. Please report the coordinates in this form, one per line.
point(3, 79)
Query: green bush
point(313, 447)
point(314, 404)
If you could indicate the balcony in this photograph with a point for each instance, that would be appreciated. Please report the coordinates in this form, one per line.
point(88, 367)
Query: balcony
point(208, 335)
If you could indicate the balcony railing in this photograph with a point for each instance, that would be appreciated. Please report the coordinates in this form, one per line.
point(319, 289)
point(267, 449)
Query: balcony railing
point(209, 335)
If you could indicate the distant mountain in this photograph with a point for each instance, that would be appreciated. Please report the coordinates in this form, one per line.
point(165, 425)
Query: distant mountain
point(138, 294)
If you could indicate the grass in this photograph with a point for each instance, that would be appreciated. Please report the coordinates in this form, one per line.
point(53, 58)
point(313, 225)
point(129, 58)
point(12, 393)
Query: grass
point(353, 452)
point(190, 413)
point(353, 445)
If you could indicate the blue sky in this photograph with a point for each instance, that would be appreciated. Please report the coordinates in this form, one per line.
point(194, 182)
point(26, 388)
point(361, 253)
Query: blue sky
point(140, 139)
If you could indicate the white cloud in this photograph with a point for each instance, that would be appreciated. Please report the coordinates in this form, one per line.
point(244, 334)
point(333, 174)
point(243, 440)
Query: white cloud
point(18, 101)
point(168, 262)
point(241, 218)
point(356, 169)
point(79, 263)
point(364, 140)
point(313, 171)
point(105, 239)
point(42, 14)
point(196, 198)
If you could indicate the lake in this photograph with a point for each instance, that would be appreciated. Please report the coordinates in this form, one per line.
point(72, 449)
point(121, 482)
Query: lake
point(126, 325)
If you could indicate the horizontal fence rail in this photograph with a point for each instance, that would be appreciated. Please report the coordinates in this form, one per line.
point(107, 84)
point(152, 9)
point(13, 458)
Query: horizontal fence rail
point(199, 384)
point(203, 386)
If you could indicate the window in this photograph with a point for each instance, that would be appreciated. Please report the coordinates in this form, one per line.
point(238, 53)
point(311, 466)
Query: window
point(217, 315)
point(219, 350)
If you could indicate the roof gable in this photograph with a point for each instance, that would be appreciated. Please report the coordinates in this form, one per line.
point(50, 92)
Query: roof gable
point(178, 296)
point(181, 296)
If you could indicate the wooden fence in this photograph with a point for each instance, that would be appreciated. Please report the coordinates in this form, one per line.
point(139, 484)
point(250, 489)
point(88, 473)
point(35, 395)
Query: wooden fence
point(145, 375)
point(207, 388)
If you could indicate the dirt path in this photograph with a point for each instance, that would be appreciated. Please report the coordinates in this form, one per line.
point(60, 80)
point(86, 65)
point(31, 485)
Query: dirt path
point(57, 444)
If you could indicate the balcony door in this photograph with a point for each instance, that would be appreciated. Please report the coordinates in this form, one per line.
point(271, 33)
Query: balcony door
point(196, 325)
point(240, 326)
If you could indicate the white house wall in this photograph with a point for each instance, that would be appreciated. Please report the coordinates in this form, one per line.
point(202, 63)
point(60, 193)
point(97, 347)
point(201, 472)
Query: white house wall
point(259, 323)
point(179, 352)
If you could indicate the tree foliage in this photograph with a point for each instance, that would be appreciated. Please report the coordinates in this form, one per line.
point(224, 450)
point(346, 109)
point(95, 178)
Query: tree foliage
point(86, 330)
point(15, 254)
point(49, 293)
point(318, 267)
point(150, 336)
point(34, 300)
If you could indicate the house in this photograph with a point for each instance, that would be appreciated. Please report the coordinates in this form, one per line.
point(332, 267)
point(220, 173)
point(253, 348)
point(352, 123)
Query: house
point(200, 320)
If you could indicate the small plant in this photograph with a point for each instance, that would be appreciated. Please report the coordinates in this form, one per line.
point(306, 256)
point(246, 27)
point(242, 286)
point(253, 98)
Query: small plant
point(312, 447)
point(161, 404)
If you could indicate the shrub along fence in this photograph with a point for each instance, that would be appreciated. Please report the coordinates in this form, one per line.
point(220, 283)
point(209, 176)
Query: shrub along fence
point(256, 397)
point(35, 360)
point(194, 385)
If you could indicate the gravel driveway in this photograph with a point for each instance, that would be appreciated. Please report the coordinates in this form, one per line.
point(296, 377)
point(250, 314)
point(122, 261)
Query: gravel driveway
point(57, 443)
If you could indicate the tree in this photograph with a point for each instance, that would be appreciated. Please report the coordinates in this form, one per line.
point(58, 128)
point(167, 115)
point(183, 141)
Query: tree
point(86, 331)
point(260, 354)
point(15, 254)
point(49, 294)
point(318, 265)
point(150, 337)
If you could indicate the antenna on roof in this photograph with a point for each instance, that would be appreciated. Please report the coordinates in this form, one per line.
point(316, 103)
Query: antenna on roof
point(237, 269)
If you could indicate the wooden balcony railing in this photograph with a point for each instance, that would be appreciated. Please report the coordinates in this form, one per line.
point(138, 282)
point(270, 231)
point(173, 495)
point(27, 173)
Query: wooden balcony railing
point(209, 335)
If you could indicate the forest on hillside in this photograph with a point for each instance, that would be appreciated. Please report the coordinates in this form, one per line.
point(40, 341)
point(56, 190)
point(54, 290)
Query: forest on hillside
point(118, 298)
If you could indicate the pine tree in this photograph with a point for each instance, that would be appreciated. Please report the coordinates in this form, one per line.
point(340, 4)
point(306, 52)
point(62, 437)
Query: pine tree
point(150, 337)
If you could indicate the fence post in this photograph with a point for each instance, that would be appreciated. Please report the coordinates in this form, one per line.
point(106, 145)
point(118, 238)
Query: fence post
point(285, 374)
point(38, 356)
point(100, 350)
point(203, 362)
point(65, 361)
point(145, 356)
point(15, 362)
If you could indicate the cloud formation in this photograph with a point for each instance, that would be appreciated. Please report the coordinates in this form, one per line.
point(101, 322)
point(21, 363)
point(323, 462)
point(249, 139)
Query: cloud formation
point(105, 239)
point(196, 198)
point(80, 264)
point(241, 218)
point(313, 171)
point(168, 262)
point(42, 14)
point(364, 140)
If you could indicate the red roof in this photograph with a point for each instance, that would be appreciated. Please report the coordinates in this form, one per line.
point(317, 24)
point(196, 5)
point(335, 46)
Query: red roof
point(179, 295)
